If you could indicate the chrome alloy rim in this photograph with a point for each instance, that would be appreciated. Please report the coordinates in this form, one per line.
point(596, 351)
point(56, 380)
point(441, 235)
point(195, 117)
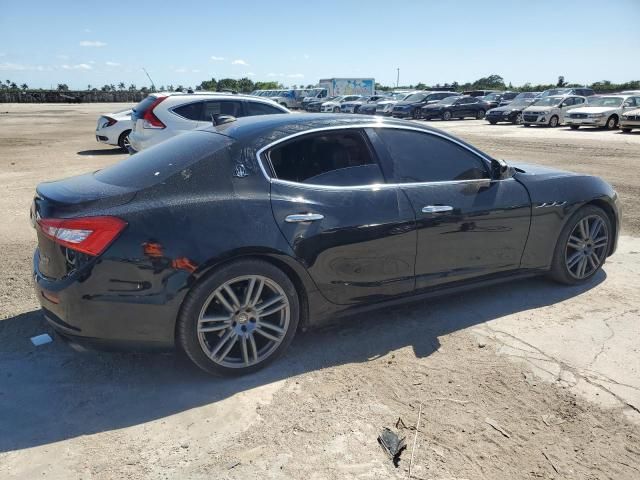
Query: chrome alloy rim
point(586, 247)
point(243, 321)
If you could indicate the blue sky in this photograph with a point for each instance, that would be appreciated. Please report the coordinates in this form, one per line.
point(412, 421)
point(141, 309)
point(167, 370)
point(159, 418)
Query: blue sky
point(43, 43)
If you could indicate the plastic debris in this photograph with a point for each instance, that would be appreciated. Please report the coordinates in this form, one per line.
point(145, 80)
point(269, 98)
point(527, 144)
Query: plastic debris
point(392, 445)
point(42, 339)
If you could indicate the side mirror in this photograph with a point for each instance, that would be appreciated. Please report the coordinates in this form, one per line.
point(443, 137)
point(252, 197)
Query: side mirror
point(500, 169)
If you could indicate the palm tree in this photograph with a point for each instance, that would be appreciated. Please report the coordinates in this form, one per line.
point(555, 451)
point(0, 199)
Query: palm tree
point(121, 86)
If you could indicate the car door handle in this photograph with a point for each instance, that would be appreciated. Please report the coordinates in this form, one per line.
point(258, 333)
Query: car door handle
point(437, 209)
point(303, 217)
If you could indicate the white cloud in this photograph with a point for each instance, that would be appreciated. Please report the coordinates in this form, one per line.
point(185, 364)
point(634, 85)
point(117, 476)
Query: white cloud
point(87, 30)
point(250, 74)
point(2, 54)
point(62, 57)
point(275, 74)
point(195, 70)
point(79, 66)
point(217, 59)
point(295, 75)
point(180, 70)
point(92, 43)
point(5, 66)
point(240, 62)
point(92, 62)
point(112, 64)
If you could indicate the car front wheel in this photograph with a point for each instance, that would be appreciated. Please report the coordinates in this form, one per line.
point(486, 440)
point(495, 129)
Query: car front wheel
point(239, 319)
point(553, 121)
point(582, 246)
point(123, 140)
point(480, 114)
point(446, 115)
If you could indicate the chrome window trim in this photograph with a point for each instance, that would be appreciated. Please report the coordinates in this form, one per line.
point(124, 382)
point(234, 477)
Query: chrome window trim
point(376, 186)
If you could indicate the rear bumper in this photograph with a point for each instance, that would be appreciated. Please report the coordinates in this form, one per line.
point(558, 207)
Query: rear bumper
point(586, 122)
point(402, 114)
point(86, 308)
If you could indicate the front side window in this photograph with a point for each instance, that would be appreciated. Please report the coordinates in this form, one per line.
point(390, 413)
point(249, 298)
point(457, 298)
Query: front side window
point(418, 157)
point(333, 159)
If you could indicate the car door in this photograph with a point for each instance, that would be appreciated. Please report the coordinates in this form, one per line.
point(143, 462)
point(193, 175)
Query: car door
point(461, 107)
point(354, 234)
point(187, 117)
point(469, 224)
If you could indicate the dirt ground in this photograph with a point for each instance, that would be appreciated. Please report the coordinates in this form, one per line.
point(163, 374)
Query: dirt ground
point(525, 380)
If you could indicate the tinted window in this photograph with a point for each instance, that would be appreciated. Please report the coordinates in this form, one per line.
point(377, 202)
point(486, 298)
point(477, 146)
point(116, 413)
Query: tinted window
point(140, 108)
point(155, 165)
point(423, 157)
point(256, 108)
point(221, 107)
point(336, 159)
point(191, 111)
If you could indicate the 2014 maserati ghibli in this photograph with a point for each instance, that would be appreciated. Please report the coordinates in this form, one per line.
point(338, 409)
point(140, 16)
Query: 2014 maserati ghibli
point(224, 241)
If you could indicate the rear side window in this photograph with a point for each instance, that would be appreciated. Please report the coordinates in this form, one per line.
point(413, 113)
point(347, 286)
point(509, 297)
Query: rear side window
point(158, 163)
point(190, 111)
point(422, 157)
point(221, 107)
point(333, 159)
point(257, 108)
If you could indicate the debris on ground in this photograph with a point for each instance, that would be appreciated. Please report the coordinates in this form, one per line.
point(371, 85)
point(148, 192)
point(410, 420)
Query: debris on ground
point(392, 444)
point(497, 427)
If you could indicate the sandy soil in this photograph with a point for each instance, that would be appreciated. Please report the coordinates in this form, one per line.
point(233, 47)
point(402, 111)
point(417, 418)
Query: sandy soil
point(527, 380)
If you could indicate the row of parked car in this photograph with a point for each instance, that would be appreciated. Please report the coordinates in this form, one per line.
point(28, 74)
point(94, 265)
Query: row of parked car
point(574, 107)
point(163, 115)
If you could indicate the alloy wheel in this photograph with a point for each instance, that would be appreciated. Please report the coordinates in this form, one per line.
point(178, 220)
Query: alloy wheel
point(519, 119)
point(243, 321)
point(586, 247)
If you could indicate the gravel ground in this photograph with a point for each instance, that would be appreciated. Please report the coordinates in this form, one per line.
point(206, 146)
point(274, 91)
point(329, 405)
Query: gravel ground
point(526, 380)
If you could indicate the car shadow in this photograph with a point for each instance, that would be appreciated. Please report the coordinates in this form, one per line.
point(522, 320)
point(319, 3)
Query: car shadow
point(102, 151)
point(52, 393)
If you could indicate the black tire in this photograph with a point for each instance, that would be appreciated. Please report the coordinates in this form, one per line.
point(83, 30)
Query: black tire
point(416, 114)
point(187, 334)
point(284, 105)
point(518, 120)
point(493, 122)
point(554, 121)
point(574, 127)
point(336, 109)
point(559, 269)
point(526, 124)
point(626, 130)
point(612, 122)
point(480, 114)
point(446, 115)
point(123, 140)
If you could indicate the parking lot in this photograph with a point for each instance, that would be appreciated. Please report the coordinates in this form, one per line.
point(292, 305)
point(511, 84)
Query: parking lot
point(521, 380)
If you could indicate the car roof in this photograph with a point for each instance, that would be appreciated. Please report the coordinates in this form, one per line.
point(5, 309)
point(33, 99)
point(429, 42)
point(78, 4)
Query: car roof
point(261, 130)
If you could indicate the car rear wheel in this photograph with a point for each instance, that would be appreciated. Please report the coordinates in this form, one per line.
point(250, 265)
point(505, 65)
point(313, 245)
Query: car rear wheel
point(336, 109)
point(123, 140)
point(493, 122)
point(553, 121)
point(582, 246)
point(612, 122)
point(527, 124)
point(626, 130)
point(480, 114)
point(446, 115)
point(574, 127)
point(416, 114)
point(239, 319)
point(518, 120)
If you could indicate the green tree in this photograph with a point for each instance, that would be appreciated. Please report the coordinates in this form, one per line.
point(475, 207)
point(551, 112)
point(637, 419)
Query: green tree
point(121, 86)
point(266, 86)
point(228, 84)
point(491, 82)
point(245, 85)
point(63, 87)
point(132, 87)
point(561, 82)
point(24, 86)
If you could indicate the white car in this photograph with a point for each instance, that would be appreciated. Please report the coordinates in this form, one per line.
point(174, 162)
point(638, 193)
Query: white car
point(334, 105)
point(604, 111)
point(550, 111)
point(163, 115)
point(114, 128)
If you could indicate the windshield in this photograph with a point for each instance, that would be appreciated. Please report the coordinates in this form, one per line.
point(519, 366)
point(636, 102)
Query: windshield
point(519, 102)
point(415, 97)
point(555, 91)
point(492, 96)
point(525, 95)
point(548, 102)
point(606, 102)
point(337, 99)
point(448, 100)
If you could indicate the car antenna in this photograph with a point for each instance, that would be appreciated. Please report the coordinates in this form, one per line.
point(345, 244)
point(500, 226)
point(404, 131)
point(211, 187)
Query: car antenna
point(219, 119)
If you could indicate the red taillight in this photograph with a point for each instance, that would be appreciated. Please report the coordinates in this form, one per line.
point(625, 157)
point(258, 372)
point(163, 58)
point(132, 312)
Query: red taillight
point(90, 235)
point(109, 121)
point(149, 118)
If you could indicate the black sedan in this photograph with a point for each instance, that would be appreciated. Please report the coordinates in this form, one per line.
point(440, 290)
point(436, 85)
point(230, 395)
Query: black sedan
point(411, 106)
point(455, 107)
point(511, 113)
point(314, 105)
point(225, 241)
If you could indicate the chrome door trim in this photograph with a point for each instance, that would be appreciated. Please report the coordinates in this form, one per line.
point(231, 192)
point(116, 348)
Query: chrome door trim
point(303, 217)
